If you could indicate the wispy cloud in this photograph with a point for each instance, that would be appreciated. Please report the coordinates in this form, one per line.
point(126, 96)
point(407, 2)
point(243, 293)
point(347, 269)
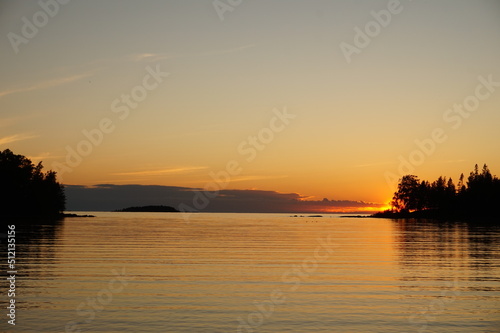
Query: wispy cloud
point(148, 56)
point(45, 84)
point(16, 137)
point(159, 172)
point(162, 56)
point(44, 156)
point(249, 178)
point(123, 181)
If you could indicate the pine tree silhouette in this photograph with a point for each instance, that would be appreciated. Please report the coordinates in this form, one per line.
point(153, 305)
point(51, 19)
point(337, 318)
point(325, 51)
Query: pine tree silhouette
point(26, 191)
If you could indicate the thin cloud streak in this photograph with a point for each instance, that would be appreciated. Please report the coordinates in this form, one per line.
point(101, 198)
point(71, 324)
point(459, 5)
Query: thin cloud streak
point(45, 84)
point(16, 137)
point(45, 156)
point(148, 57)
point(163, 56)
point(159, 172)
point(248, 178)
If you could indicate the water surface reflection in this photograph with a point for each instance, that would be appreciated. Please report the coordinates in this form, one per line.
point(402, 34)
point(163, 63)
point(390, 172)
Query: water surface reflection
point(140, 272)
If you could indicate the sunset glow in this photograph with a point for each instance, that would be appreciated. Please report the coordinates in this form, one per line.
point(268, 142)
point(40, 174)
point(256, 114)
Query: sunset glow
point(250, 165)
point(174, 97)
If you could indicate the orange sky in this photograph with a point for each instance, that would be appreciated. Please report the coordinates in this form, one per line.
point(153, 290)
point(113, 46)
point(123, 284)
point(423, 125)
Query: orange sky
point(171, 93)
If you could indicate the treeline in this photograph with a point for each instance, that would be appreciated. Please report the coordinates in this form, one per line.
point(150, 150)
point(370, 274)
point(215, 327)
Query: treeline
point(476, 196)
point(25, 190)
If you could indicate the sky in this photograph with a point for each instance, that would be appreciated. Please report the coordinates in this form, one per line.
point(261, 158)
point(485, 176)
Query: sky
point(304, 100)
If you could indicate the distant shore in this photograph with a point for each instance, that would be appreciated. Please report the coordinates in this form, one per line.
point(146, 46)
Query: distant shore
point(149, 209)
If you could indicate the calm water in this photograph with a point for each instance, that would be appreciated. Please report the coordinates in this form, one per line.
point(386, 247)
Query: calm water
point(154, 272)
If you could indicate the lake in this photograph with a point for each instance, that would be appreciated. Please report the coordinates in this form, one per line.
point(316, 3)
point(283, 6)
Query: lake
point(158, 272)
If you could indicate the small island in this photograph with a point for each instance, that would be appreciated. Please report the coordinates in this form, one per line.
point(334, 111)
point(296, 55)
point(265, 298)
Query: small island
point(149, 209)
point(75, 215)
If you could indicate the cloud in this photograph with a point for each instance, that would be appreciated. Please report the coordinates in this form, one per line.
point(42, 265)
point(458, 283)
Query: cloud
point(45, 84)
point(148, 56)
point(163, 56)
point(108, 197)
point(159, 172)
point(44, 156)
point(16, 137)
point(247, 178)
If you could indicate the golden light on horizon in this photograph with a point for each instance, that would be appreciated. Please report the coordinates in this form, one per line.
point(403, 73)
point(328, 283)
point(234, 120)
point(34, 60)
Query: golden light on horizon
point(176, 107)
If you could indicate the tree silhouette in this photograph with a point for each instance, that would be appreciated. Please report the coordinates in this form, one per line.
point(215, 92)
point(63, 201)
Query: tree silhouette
point(27, 191)
point(441, 198)
point(407, 197)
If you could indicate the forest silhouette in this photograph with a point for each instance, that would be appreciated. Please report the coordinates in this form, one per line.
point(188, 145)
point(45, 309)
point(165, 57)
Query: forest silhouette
point(476, 197)
point(26, 191)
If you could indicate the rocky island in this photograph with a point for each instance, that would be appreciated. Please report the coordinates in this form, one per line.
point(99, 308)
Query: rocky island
point(149, 209)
